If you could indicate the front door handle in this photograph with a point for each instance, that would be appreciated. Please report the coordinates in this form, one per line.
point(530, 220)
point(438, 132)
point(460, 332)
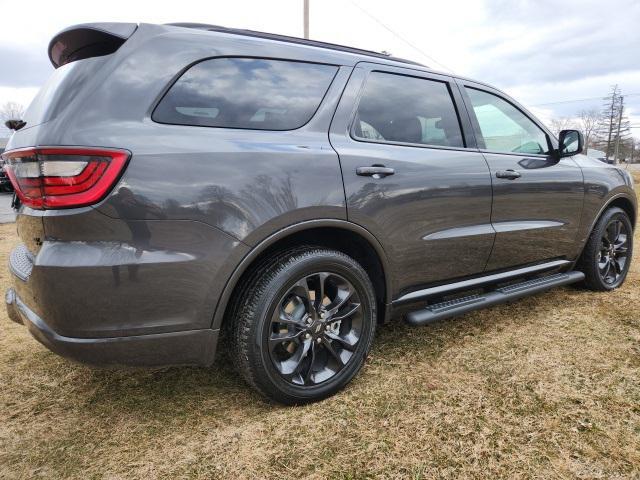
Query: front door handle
point(508, 174)
point(375, 171)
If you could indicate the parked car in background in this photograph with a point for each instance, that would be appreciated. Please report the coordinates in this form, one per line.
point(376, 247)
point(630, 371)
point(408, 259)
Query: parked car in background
point(599, 155)
point(180, 181)
point(5, 183)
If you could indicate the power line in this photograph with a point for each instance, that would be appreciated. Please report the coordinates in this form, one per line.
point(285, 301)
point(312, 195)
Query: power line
point(580, 100)
point(393, 32)
point(426, 55)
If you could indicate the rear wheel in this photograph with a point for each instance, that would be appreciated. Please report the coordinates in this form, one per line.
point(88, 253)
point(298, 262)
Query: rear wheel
point(607, 255)
point(303, 324)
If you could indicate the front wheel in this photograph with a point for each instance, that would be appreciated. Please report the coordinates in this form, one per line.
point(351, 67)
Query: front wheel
point(607, 255)
point(303, 324)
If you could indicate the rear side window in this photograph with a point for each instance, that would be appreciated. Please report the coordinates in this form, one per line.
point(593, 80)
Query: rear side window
point(246, 93)
point(398, 108)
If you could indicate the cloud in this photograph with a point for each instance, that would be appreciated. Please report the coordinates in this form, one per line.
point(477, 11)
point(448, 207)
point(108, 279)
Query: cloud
point(22, 67)
point(545, 41)
point(539, 51)
point(563, 53)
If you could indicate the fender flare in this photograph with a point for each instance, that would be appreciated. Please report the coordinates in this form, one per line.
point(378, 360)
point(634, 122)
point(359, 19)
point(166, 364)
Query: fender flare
point(608, 203)
point(248, 259)
point(603, 208)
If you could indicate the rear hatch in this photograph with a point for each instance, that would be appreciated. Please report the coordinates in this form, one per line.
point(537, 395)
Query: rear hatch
point(55, 178)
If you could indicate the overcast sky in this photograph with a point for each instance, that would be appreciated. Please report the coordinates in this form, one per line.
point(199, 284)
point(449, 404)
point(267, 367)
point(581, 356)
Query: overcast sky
point(539, 51)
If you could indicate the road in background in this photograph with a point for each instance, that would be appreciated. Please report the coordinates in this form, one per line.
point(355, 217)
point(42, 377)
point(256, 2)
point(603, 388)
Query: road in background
point(7, 214)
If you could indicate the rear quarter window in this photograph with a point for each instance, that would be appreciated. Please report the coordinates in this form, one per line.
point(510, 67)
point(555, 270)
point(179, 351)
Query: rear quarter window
point(246, 93)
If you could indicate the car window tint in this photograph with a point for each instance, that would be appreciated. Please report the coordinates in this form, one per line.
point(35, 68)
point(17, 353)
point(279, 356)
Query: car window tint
point(504, 127)
point(399, 108)
point(246, 93)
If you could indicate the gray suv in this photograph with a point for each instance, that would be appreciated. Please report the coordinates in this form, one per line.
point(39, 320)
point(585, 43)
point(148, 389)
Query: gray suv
point(178, 182)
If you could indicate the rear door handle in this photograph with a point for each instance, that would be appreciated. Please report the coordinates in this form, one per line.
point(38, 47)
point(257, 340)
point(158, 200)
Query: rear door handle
point(508, 174)
point(375, 171)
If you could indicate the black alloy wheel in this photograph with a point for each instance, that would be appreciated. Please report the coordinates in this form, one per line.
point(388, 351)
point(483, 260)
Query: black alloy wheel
point(607, 254)
point(315, 328)
point(614, 246)
point(303, 323)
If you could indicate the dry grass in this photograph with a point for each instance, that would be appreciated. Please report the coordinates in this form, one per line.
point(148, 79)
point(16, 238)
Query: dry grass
point(548, 387)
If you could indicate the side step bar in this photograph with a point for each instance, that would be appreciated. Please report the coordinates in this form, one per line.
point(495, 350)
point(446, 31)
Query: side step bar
point(462, 305)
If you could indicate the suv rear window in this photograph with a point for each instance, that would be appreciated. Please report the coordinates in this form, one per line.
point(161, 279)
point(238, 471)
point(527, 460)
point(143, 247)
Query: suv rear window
point(246, 93)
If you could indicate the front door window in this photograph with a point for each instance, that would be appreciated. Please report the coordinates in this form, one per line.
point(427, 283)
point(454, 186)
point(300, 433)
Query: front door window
point(504, 128)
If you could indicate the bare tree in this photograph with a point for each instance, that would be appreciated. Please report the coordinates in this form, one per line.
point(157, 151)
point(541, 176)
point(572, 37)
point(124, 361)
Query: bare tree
point(606, 126)
point(562, 123)
point(588, 122)
point(613, 127)
point(11, 111)
point(623, 137)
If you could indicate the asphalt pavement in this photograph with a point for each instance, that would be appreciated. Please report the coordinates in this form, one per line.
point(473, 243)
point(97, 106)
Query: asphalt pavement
point(7, 214)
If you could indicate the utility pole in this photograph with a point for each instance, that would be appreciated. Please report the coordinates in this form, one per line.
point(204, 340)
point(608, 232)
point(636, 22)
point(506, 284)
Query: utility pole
point(615, 155)
point(306, 19)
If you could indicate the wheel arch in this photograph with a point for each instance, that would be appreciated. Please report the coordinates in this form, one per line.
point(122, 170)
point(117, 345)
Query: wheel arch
point(625, 204)
point(341, 235)
point(621, 200)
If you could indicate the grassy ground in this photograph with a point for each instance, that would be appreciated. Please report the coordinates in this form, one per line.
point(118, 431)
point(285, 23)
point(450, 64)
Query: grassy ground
point(548, 387)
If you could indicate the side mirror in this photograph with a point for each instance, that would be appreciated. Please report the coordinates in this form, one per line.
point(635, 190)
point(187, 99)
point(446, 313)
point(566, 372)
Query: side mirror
point(570, 142)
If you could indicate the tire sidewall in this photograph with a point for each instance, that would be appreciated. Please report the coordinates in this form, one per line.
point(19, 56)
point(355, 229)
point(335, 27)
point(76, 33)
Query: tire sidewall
point(612, 214)
point(322, 262)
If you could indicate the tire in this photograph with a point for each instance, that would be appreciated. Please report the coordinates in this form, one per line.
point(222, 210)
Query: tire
point(286, 343)
point(600, 247)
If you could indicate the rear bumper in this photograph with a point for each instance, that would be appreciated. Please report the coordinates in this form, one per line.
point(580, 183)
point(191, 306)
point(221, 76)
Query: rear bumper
point(189, 347)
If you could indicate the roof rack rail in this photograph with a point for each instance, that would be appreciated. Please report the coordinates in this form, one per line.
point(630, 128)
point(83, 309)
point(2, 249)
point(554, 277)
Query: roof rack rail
point(296, 40)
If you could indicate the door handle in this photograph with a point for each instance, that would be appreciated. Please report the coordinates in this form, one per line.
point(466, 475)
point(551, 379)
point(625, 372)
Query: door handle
point(375, 171)
point(508, 174)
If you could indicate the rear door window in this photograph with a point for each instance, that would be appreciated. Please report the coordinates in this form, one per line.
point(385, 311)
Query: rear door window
point(404, 109)
point(246, 93)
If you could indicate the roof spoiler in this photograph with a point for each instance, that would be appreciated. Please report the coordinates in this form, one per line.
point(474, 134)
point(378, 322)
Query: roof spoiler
point(88, 40)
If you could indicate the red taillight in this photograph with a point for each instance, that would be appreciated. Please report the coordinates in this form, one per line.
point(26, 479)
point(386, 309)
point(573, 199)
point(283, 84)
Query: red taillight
point(63, 177)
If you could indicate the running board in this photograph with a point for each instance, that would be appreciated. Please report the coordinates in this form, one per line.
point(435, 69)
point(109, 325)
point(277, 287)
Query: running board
point(439, 311)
